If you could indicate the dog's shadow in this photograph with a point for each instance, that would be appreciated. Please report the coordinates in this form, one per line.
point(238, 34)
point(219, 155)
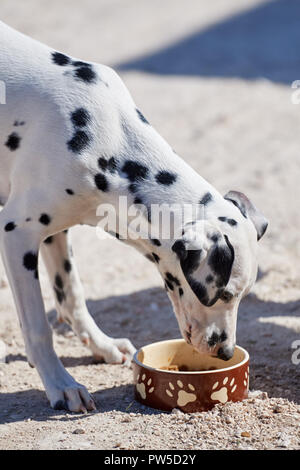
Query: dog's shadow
point(266, 329)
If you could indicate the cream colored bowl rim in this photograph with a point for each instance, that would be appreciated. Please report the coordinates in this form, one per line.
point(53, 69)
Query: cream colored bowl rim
point(197, 372)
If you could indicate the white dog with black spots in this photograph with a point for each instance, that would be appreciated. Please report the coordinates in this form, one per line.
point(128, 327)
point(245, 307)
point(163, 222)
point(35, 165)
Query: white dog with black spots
point(71, 138)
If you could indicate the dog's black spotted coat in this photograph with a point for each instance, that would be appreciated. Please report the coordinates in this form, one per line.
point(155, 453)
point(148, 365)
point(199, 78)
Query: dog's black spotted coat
point(48, 240)
point(80, 117)
point(60, 59)
point(142, 117)
point(67, 266)
point(206, 199)
point(10, 227)
point(165, 177)
point(70, 191)
point(30, 262)
point(108, 164)
point(79, 141)
point(45, 219)
point(135, 171)
point(231, 222)
point(83, 71)
point(59, 288)
point(101, 182)
point(13, 141)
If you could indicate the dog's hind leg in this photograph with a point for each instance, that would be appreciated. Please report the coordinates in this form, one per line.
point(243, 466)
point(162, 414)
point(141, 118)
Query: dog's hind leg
point(70, 302)
point(20, 238)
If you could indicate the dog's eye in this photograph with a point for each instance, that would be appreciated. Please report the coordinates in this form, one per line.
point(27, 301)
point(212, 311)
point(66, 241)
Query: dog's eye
point(226, 296)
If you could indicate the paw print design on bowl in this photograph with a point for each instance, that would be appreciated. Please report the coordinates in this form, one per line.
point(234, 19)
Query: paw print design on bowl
point(246, 379)
point(221, 395)
point(183, 397)
point(144, 387)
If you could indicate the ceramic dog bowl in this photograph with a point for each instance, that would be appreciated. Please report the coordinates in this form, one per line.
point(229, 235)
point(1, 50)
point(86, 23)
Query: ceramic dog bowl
point(200, 383)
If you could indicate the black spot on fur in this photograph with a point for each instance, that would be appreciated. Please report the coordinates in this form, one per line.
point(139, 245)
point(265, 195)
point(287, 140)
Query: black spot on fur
point(110, 165)
point(215, 237)
point(80, 117)
point(48, 240)
point(86, 74)
point(138, 200)
point(79, 63)
point(149, 257)
point(59, 282)
point(206, 199)
point(172, 279)
point(209, 279)
point(166, 178)
point(220, 260)
point(213, 340)
point(45, 219)
point(60, 59)
point(169, 284)
point(155, 241)
point(180, 290)
point(10, 227)
point(13, 141)
point(79, 141)
point(179, 249)
point(101, 182)
point(142, 117)
point(133, 188)
point(231, 222)
point(156, 257)
point(134, 170)
point(70, 192)
point(30, 262)
point(223, 336)
point(19, 123)
point(67, 266)
point(28, 219)
point(60, 295)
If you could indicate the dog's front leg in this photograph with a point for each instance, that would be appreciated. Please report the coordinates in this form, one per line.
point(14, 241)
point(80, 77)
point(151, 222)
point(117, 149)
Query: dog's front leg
point(19, 248)
point(71, 306)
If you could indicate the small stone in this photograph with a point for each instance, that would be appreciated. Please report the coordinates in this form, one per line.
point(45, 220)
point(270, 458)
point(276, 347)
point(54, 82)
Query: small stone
point(259, 394)
point(277, 409)
point(245, 434)
point(79, 431)
point(229, 420)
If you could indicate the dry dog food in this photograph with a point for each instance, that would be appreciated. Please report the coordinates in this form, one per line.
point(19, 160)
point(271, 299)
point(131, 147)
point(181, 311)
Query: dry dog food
point(184, 368)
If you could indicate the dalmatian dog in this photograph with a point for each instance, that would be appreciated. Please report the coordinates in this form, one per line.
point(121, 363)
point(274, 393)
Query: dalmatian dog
point(71, 139)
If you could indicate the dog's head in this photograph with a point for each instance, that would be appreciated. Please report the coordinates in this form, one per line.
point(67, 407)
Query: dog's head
point(216, 265)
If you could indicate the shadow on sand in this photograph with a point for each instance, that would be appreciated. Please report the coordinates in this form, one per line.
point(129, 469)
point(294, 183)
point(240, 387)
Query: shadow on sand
point(262, 42)
point(147, 316)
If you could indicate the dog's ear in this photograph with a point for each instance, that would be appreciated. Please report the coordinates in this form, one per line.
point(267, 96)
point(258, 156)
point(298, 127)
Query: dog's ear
point(206, 258)
point(249, 211)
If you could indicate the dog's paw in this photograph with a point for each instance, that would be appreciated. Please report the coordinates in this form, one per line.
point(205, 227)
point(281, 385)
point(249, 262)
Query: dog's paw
point(114, 351)
point(73, 398)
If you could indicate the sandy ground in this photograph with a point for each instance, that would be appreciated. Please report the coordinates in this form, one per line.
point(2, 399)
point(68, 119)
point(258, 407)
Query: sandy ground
point(236, 125)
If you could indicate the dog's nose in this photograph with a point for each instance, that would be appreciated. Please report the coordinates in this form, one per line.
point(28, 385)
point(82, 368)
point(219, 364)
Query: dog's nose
point(225, 353)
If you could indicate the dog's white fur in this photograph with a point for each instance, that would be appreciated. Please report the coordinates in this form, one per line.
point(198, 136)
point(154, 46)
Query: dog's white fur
point(40, 98)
